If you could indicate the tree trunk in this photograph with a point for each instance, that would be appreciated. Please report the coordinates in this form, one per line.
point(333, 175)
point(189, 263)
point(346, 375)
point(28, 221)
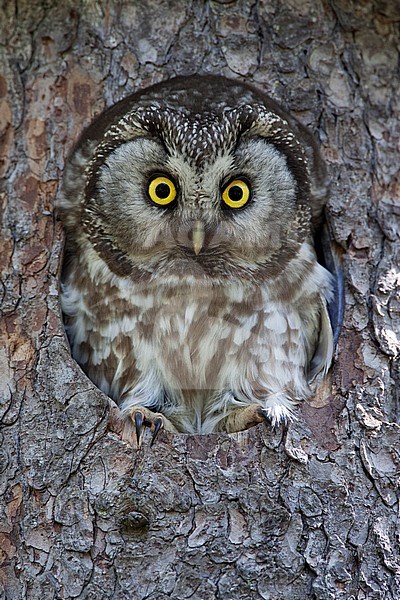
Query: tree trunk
point(307, 511)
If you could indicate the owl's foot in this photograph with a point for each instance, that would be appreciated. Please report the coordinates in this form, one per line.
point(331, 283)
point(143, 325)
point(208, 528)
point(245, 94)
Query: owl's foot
point(249, 416)
point(138, 418)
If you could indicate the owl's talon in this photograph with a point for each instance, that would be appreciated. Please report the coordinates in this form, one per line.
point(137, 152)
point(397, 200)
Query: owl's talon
point(155, 428)
point(139, 427)
point(277, 412)
point(141, 421)
point(263, 414)
point(137, 419)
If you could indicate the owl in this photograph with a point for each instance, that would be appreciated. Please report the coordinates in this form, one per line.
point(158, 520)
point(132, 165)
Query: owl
point(191, 291)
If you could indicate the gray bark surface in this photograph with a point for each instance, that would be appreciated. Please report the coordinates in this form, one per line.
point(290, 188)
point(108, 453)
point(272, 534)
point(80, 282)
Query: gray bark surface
point(308, 511)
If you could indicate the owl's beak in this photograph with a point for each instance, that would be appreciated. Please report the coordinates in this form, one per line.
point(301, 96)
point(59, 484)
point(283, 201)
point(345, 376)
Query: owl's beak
point(198, 236)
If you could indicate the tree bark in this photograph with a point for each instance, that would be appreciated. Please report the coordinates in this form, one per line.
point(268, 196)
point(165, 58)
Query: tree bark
point(307, 511)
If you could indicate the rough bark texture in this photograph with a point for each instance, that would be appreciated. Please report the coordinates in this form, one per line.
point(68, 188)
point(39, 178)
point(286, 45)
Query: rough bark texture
point(307, 512)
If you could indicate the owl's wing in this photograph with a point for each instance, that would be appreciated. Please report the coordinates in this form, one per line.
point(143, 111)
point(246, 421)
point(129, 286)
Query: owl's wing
point(331, 314)
point(328, 255)
point(322, 358)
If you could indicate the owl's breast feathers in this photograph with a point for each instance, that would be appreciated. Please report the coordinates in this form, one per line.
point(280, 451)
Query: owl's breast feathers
point(196, 352)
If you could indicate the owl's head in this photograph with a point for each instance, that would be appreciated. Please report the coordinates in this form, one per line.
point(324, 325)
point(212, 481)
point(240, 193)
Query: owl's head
point(184, 195)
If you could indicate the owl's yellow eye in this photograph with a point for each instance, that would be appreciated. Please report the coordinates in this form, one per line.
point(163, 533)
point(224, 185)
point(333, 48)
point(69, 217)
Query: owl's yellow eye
point(236, 194)
point(162, 190)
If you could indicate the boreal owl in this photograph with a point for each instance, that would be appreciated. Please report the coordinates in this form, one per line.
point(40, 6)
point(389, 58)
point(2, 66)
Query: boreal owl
point(191, 290)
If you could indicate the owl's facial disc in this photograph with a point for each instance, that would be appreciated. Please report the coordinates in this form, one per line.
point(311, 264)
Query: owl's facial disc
point(166, 214)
